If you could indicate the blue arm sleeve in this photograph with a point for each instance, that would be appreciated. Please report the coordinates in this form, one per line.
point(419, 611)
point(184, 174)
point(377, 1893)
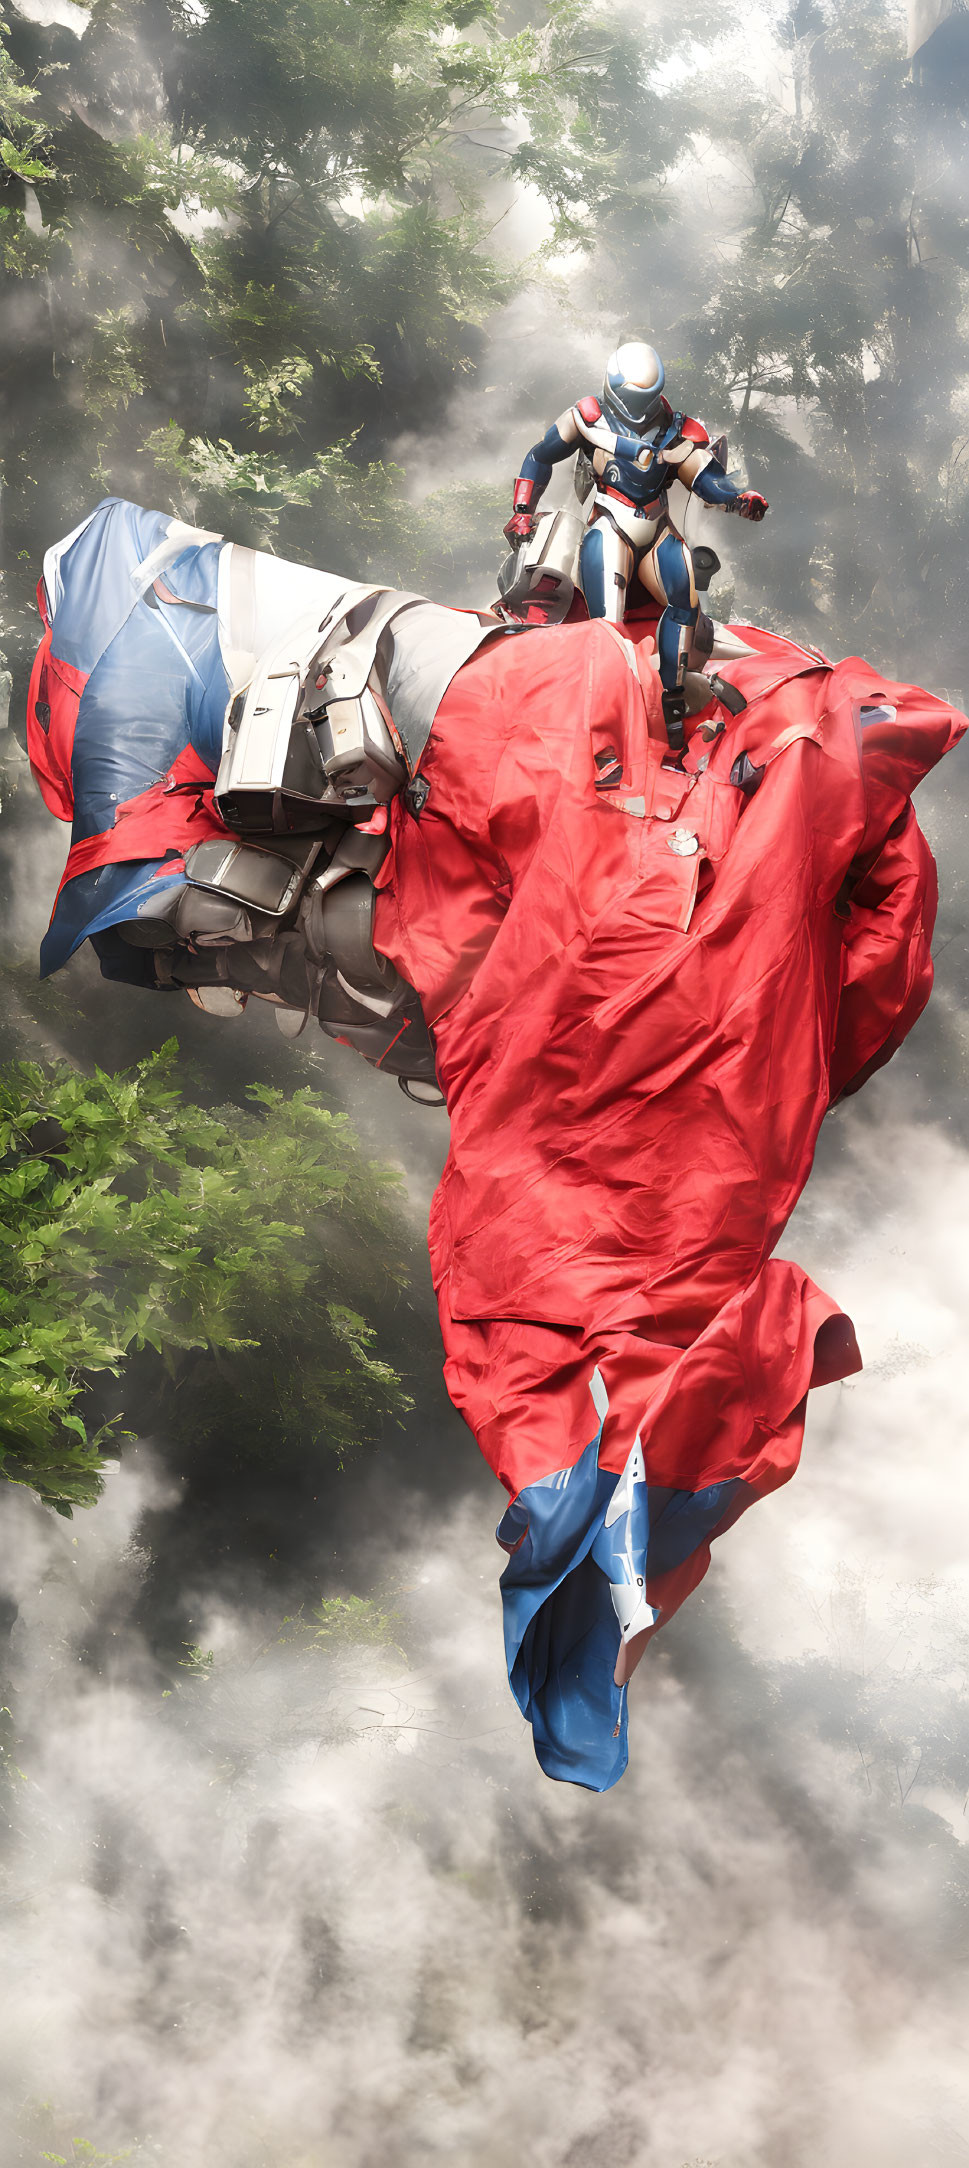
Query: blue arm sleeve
point(538, 463)
point(628, 447)
point(712, 485)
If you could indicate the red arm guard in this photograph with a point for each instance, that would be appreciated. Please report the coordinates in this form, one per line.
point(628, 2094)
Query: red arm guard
point(519, 526)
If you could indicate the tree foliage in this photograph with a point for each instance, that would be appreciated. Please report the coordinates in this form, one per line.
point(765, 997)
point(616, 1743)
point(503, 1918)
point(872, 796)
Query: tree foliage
point(227, 1250)
point(245, 245)
point(827, 310)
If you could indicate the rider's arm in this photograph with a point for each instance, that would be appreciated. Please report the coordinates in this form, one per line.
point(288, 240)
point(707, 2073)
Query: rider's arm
point(704, 475)
point(560, 439)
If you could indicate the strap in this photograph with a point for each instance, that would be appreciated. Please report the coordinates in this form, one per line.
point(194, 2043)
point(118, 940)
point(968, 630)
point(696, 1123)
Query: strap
point(177, 537)
point(349, 665)
point(242, 590)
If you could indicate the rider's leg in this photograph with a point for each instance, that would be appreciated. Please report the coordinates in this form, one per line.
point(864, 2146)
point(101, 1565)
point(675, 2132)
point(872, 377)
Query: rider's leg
point(667, 574)
point(605, 570)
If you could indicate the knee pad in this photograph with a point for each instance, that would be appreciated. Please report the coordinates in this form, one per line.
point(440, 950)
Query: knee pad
point(675, 567)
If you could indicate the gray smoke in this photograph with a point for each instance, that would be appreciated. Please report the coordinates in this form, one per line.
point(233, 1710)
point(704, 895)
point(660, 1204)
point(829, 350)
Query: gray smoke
point(308, 1902)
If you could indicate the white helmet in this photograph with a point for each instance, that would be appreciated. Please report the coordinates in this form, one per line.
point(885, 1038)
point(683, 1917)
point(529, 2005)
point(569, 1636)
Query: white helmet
point(633, 386)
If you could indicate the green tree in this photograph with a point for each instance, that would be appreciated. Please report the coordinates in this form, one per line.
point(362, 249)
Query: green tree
point(823, 320)
point(211, 1264)
point(246, 245)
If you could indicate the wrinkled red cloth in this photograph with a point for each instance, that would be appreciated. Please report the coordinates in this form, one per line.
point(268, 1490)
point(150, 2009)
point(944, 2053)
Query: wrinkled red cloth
point(645, 997)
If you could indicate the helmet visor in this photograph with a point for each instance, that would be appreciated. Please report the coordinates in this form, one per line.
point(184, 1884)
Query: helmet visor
point(638, 403)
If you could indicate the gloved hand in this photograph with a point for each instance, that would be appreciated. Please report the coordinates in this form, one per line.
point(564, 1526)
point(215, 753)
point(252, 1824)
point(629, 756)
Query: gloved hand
point(751, 505)
point(519, 527)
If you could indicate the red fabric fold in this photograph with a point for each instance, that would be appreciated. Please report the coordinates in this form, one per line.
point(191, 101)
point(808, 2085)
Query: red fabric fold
point(171, 816)
point(644, 1001)
point(57, 687)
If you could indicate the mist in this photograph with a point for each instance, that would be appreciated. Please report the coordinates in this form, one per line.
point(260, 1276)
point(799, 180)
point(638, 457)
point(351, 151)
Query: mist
point(274, 1899)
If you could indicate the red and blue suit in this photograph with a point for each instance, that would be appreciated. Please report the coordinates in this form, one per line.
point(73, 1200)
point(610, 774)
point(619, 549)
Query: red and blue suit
point(631, 533)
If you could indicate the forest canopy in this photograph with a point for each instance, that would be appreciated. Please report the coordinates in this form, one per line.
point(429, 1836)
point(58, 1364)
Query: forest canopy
point(250, 251)
point(164, 1266)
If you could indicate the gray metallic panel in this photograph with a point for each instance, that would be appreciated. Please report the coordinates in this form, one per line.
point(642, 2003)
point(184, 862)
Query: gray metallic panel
point(428, 647)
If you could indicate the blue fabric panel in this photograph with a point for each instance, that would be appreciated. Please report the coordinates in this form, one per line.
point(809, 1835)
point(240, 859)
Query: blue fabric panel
point(562, 1632)
point(100, 898)
point(158, 686)
point(689, 1519)
point(96, 572)
point(577, 1712)
point(131, 725)
point(161, 685)
point(192, 577)
point(194, 635)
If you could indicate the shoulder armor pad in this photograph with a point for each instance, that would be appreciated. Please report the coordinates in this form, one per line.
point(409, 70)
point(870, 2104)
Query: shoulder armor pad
point(694, 430)
point(589, 409)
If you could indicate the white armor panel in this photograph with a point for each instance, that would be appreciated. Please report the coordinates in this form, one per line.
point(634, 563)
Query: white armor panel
point(640, 532)
point(545, 568)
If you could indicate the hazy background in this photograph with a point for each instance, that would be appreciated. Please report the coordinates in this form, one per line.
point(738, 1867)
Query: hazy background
point(281, 1893)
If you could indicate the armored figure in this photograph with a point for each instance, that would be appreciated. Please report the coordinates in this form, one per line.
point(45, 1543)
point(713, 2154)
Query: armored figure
point(637, 448)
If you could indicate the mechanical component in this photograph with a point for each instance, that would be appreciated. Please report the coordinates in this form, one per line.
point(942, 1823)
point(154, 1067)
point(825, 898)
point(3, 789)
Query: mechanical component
point(429, 1096)
point(154, 927)
point(323, 964)
point(727, 694)
point(728, 646)
point(416, 795)
point(537, 583)
point(268, 879)
point(271, 777)
point(674, 716)
point(210, 920)
point(705, 564)
point(291, 1022)
point(310, 746)
point(337, 925)
point(606, 564)
point(217, 1000)
point(358, 851)
point(313, 735)
point(745, 775)
point(583, 476)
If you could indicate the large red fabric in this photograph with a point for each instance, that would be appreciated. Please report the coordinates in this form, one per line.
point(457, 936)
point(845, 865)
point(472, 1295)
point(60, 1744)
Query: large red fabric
point(638, 1035)
point(54, 693)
